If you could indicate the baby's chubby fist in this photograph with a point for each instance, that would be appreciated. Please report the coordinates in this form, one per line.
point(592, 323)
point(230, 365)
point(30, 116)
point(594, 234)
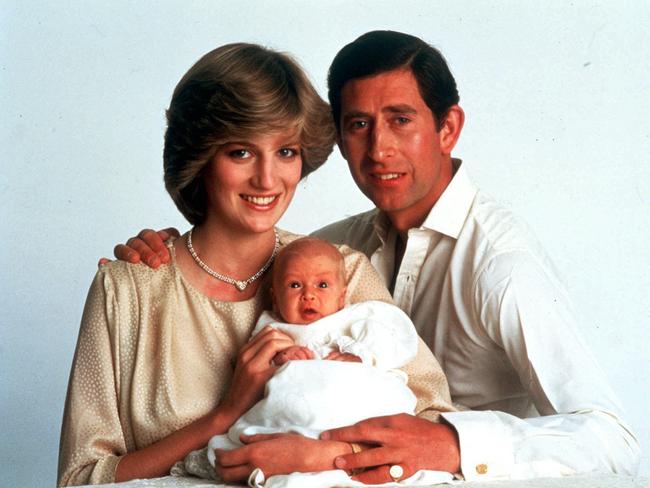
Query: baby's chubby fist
point(293, 353)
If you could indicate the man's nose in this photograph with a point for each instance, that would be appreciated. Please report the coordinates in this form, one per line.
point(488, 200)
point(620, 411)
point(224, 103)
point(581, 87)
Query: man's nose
point(381, 145)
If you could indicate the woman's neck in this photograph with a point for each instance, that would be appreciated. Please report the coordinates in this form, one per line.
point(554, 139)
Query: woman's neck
point(236, 255)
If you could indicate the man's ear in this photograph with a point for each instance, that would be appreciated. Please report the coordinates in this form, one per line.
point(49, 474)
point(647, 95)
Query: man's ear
point(339, 143)
point(451, 128)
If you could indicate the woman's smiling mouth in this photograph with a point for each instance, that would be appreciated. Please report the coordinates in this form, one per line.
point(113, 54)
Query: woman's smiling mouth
point(260, 201)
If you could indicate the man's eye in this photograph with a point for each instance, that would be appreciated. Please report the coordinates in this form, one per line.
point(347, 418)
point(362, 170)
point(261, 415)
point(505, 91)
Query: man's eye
point(323, 284)
point(402, 120)
point(239, 154)
point(356, 124)
point(294, 284)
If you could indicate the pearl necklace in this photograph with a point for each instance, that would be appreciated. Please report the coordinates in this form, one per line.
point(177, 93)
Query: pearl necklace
point(240, 284)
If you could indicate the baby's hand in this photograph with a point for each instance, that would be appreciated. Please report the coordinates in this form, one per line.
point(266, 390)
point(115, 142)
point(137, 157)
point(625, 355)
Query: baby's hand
point(292, 353)
point(343, 356)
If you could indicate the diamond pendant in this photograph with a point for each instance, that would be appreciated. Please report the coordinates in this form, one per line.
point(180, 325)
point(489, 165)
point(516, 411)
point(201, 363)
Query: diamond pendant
point(241, 285)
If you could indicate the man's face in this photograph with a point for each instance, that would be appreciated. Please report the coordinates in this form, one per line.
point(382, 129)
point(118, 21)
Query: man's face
point(389, 138)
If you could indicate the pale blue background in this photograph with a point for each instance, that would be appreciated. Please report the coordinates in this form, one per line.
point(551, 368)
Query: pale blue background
point(557, 100)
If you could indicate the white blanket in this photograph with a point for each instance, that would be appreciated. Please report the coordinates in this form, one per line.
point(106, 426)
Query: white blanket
point(308, 397)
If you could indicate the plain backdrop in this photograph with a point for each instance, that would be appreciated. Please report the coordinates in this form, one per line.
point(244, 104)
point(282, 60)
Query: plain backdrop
point(556, 94)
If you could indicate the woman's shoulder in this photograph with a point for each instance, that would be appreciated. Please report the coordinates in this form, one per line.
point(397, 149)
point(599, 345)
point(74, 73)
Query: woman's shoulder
point(351, 255)
point(120, 274)
point(287, 237)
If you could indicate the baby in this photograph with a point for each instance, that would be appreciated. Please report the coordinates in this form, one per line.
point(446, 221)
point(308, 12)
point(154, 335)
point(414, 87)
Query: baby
point(308, 285)
point(342, 367)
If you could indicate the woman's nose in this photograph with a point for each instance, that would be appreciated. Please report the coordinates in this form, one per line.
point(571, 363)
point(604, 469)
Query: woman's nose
point(265, 174)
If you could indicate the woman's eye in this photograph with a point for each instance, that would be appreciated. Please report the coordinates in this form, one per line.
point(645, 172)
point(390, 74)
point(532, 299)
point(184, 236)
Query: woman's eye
point(294, 284)
point(323, 284)
point(239, 153)
point(288, 152)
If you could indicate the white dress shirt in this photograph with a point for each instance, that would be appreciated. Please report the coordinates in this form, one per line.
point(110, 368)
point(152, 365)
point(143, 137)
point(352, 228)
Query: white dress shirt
point(487, 300)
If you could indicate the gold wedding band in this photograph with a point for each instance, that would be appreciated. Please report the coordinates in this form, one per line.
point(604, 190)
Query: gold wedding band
point(356, 448)
point(396, 472)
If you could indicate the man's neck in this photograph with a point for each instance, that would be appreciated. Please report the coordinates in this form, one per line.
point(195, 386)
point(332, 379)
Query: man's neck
point(413, 217)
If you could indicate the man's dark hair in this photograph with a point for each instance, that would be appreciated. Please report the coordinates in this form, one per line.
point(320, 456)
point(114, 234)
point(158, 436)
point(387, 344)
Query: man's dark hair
point(381, 51)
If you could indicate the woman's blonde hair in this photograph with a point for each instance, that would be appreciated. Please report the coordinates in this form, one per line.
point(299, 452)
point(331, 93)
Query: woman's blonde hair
point(232, 93)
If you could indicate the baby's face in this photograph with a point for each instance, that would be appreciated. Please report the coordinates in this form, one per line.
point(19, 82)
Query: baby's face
point(308, 287)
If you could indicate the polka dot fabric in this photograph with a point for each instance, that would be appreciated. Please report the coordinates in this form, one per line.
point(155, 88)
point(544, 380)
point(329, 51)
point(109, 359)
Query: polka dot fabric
point(154, 355)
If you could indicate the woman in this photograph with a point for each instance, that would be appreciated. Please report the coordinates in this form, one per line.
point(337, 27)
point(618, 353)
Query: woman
point(162, 361)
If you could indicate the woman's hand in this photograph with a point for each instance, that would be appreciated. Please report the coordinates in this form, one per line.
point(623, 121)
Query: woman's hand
point(406, 440)
point(278, 454)
point(253, 369)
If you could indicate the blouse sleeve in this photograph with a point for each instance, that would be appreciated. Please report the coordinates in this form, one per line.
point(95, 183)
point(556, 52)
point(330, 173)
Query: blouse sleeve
point(426, 379)
point(92, 439)
point(363, 281)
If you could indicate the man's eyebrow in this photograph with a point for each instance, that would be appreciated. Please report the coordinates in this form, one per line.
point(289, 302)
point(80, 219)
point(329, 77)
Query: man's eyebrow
point(403, 108)
point(354, 114)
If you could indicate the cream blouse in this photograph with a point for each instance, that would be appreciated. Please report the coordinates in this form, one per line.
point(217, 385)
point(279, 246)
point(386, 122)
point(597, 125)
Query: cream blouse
point(154, 354)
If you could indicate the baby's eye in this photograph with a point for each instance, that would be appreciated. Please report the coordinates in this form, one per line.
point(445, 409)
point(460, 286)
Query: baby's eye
point(294, 284)
point(323, 284)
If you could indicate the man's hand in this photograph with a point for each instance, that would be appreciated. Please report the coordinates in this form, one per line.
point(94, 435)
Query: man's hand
point(402, 439)
point(278, 454)
point(293, 353)
point(343, 356)
point(148, 247)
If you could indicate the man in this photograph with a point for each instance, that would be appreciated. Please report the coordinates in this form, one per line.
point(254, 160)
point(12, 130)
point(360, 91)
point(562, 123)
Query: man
point(479, 288)
point(482, 293)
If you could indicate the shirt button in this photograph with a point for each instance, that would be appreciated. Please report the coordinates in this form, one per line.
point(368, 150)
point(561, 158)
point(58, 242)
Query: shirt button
point(481, 468)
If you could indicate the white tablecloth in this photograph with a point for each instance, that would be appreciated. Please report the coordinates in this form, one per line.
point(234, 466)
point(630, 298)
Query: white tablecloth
point(594, 481)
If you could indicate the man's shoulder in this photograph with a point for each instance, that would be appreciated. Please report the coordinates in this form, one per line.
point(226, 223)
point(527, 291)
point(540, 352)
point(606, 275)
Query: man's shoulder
point(356, 231)
point(498, 226)
point(495, 238)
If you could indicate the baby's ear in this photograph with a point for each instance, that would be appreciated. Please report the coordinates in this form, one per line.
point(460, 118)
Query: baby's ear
point(344, 291)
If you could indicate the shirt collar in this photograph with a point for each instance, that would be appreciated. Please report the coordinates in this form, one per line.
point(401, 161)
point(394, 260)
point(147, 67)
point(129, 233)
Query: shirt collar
point(449, 213)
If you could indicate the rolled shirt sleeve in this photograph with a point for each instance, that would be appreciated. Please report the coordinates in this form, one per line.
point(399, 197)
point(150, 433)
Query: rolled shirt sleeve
point(524, 310)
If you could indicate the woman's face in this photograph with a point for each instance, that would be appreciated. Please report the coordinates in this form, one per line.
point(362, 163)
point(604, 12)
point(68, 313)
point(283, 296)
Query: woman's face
point(249, 183)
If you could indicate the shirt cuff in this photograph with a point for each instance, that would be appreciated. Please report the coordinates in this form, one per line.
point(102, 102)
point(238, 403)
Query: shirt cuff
point(105, 470)
point(486, 448)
